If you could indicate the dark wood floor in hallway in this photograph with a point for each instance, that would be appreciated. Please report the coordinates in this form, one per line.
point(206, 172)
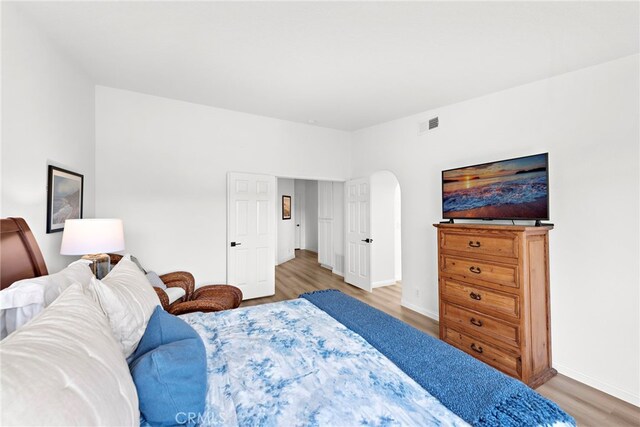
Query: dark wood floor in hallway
point(590, 407)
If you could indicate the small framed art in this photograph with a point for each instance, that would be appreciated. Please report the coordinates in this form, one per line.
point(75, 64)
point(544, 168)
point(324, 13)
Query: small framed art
point(65, 194)
point(286, 207)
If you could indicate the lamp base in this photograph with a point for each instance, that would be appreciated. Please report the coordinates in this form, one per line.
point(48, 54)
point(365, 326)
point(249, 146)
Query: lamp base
point(100, 264)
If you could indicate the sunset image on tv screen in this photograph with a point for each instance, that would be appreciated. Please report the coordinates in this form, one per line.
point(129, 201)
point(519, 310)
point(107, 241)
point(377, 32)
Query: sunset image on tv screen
point(511, 189)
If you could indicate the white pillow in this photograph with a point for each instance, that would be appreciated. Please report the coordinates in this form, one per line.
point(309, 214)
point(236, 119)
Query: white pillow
point(65, 368)
point(127, 298)
point(174, 293)
point(24, 299)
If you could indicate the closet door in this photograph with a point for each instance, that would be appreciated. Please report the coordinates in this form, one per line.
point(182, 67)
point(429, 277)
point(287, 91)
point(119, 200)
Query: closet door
point(325, 224)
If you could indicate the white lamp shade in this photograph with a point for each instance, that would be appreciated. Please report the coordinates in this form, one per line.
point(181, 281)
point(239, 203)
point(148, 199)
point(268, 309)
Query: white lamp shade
point(92, 236)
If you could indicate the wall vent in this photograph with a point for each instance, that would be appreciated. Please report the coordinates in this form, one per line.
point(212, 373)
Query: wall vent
point(433, 123)
point(424, 127)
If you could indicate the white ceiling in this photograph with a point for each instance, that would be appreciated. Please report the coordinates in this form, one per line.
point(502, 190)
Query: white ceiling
point(346, 65)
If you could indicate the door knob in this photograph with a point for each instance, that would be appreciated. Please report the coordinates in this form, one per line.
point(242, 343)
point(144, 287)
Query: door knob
point(234, 244)
point(368, 240)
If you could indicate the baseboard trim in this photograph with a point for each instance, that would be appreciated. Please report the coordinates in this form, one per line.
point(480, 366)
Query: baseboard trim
point(338, 273)
point(381, 283)
point(287, 259)
point(430, 314)
point(603, 386)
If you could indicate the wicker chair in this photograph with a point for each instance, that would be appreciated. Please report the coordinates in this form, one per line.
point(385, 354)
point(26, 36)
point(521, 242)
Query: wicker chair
point(181, 279)
point(205, 299)
point(209, 298)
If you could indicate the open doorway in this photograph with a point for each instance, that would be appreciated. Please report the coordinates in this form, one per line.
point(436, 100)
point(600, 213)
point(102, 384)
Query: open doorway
point(297, 229)
point(265, 213)
point(314, 223)
point(309, 244)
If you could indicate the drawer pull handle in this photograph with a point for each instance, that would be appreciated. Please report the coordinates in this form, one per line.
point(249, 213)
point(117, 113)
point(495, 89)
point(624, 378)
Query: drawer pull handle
point(475, 296)
point(474, 245)
point(478, 323)
point(475, 270)
point(476, 349)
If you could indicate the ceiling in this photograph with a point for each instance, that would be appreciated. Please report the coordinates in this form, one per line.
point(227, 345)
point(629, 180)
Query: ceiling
point(343, 65)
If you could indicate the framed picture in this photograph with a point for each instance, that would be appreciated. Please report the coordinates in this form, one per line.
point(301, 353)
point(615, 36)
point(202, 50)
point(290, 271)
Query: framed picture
point(65, 194)
point(286, 207)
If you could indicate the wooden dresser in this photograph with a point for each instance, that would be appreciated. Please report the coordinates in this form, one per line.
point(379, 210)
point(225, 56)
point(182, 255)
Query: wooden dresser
point(494, 296)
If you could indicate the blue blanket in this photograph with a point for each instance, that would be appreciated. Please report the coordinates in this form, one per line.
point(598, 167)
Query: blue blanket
point(476, 392)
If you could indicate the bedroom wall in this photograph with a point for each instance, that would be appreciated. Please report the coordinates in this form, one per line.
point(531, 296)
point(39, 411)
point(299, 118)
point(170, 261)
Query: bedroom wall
point(286, 227)
point(397, 233)
point(47, 118)
point(162, 167)
point(588, 121)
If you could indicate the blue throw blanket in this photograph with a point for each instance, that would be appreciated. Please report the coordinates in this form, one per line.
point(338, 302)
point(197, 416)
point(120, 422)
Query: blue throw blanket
point(476, 392)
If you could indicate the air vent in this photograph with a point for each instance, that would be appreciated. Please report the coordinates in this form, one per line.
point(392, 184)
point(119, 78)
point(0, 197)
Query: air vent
point(424, 127)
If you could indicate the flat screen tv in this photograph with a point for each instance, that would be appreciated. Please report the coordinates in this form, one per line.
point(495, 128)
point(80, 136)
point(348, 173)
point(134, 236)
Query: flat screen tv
point(507, 189)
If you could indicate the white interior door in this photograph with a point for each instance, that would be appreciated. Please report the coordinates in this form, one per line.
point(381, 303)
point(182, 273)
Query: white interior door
point(358, 233)
point(251, 233)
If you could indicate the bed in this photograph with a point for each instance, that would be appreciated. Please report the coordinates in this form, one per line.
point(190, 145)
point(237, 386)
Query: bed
point(326, 359)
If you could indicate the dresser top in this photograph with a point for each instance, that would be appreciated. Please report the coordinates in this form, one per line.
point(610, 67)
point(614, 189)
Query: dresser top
point(470, 226)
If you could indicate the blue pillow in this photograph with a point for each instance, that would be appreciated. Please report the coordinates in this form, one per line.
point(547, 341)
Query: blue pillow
point(171, 381)
point(163, 328)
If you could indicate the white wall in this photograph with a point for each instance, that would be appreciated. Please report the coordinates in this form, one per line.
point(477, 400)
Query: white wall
point(588, 121)
point(397, 232)
point(383, 260)
point(286, 227)
point(162, 166)
point(311, 215)
point(47, 118)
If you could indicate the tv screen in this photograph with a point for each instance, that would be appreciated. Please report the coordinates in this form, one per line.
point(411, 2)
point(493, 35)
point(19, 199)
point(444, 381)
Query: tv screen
point(507, 189)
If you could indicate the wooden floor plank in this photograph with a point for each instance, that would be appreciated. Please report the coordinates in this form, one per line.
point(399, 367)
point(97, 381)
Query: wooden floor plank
point(590, 407)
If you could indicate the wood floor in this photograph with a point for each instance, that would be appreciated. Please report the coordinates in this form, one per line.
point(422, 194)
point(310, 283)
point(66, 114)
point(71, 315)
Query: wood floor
point(587, 405)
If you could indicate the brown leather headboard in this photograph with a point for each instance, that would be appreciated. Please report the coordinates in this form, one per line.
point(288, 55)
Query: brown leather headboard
point(20, 256)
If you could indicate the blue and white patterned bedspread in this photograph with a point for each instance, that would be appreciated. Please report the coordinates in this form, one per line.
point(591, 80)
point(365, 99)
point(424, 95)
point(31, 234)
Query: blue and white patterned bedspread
point(291, 364)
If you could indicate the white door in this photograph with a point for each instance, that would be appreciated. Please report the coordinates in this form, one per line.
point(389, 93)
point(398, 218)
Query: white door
point(251, 233)
point(325, 243)
point(325, 223)
point(358, 233)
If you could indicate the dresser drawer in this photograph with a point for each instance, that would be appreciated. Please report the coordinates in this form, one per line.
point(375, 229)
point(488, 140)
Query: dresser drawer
point(473, 269)
point(480, 299)
point(507, 362)
point(489, 244)
point(481, 324)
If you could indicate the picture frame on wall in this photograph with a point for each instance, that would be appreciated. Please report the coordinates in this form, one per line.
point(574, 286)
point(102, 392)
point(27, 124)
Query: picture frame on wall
point(65, 196)
point(286, 207)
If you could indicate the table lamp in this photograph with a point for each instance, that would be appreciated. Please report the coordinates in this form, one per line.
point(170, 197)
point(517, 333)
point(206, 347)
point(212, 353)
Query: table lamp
point(92, 238)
